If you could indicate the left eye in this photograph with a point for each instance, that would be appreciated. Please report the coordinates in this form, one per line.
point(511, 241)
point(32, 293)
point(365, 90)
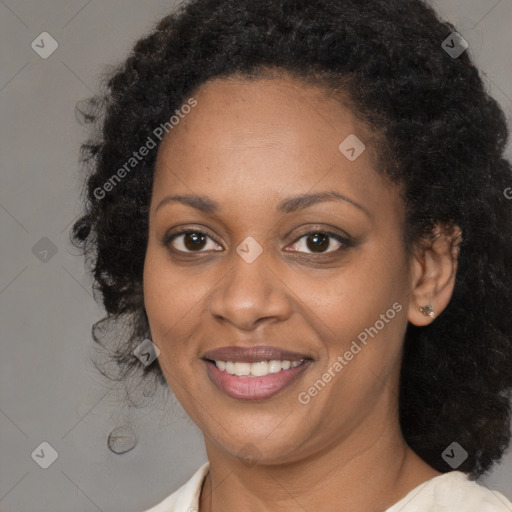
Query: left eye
point(316, 241)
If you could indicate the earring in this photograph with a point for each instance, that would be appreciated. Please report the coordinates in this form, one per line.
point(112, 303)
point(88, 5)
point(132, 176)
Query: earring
point(427, 310)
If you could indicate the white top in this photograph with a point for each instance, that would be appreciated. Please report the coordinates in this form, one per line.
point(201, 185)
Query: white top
point(449, 492)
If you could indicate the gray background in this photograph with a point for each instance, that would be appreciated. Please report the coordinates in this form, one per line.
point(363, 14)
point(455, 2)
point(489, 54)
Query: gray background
point(49, 390)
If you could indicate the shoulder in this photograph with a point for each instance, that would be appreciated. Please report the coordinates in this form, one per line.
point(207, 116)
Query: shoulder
point(452, 492)
point(186, 498)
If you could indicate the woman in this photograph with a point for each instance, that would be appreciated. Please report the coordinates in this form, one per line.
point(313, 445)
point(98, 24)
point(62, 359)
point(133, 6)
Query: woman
point(301, 204)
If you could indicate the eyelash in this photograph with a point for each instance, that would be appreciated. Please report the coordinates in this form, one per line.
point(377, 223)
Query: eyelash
point(345, 242)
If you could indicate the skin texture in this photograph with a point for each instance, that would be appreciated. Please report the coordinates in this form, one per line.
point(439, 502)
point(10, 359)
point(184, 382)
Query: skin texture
point(248, 145)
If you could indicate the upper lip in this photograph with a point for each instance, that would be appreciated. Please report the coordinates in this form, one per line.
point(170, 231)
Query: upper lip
point(252, 354)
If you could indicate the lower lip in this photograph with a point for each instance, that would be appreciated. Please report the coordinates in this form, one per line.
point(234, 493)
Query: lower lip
point(253, 388)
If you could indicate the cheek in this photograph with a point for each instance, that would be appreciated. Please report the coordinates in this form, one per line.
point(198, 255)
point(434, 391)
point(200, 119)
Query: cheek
point(360, 314)
point(353, 297)
point(169, 299)
point(174, 298)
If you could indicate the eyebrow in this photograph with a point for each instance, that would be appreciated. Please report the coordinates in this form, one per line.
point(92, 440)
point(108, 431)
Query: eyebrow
point(287, 205)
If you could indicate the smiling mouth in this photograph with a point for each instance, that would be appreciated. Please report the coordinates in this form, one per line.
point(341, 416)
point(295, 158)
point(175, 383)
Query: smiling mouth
point(255, 369)
point(269, 377)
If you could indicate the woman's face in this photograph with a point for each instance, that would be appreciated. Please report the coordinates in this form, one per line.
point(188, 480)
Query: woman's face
point(268, 274)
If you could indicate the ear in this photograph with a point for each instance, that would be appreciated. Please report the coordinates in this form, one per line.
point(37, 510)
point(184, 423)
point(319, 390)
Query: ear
point(433, 271)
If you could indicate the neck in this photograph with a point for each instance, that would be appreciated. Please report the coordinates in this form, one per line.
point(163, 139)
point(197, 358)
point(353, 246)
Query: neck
point(370, 470)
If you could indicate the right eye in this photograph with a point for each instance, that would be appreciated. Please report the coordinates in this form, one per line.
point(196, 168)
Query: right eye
point(192, 240)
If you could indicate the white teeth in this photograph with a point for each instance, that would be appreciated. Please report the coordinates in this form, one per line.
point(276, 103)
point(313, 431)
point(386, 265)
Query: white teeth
point(258, 369)
point(242, 368)
point(274, 366)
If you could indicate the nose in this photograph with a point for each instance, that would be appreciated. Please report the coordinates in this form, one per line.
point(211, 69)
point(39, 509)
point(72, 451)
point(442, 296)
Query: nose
point(250, 293)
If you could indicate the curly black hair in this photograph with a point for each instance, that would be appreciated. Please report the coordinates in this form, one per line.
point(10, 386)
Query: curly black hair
point(445, 139)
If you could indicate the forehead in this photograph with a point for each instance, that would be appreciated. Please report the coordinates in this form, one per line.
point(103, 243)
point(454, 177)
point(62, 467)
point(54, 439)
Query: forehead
point(263, 108)
point(267, 137)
